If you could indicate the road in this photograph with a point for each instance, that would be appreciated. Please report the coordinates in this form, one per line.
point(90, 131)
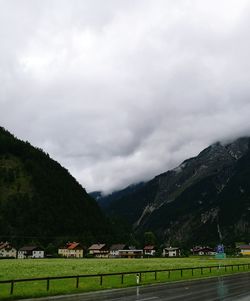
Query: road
point(235, 288)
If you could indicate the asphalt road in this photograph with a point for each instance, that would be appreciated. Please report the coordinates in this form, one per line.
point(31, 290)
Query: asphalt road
point(235, 288)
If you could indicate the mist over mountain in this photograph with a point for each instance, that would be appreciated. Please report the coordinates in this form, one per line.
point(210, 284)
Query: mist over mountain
point(206, 199)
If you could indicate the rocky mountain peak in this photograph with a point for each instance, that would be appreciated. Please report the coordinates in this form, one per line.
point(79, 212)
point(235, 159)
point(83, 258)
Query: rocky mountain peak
point(195, 198)
point(212, 160)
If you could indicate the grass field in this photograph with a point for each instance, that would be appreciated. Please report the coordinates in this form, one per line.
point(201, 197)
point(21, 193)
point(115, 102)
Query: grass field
point(15, 269)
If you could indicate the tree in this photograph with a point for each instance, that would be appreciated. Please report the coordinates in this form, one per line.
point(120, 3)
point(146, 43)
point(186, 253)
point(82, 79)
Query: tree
point(149, 238)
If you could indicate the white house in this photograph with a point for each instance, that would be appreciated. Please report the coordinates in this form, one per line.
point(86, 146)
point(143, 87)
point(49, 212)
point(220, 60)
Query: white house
point(171, 252)
point(30, 252)
point(114, 250)
point(131, 253)
point(198, 250)
point(149, 251)
point(99, 250)
point(72, 249)
point(7, 250)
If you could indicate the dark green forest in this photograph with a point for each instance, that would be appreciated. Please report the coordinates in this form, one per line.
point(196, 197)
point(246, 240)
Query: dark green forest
point(41, 202)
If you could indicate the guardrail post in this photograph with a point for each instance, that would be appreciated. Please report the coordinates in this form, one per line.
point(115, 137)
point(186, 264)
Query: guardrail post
point(47, 284)
point(77, 282)
point(12, 287)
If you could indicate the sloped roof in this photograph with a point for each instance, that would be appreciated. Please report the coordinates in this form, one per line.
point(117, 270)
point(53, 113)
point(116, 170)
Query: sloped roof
point(199, 249)
point(117, 247)
point(172, 249)
point(3, 245)
point(149, 247)
point(6, 245)
point(74, 245)
point(244, 247)
point(97, 246)
point(30, 248)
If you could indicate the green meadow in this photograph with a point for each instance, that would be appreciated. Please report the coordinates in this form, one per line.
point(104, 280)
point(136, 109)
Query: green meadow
point(31, 268)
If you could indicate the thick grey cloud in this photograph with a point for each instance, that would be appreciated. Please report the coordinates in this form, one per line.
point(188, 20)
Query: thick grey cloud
point(119, 91)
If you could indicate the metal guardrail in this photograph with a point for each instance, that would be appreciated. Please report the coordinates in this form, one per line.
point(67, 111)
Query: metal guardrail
point(122, 274)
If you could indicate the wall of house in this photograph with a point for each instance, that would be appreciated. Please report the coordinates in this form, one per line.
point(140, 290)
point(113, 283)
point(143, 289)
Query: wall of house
point(38, 254)
point(21, 254)
point(245, 252)
point(8, 253)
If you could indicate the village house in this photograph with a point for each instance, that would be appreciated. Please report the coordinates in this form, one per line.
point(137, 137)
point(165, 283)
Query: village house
point(149, 251)
point(115, 249)
point(7, 250)
point(198, 250)
point(72, 250)
point(244, 249)
point(30, 252)
point(131, 252)
point(171, 252)
point(99, 250)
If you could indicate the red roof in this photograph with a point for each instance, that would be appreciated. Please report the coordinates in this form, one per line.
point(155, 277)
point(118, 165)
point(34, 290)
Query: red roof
point(73, 245)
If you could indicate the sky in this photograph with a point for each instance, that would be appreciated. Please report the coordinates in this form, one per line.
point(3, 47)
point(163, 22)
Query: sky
point(119, 91)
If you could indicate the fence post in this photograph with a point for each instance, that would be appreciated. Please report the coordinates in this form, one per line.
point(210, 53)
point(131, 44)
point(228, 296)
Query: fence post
point(122, 279)
point(140, 277)
point(210, 269)
point(47, 284)
point(201, 271)
point(169, 274)
point(12, 287)
point(101, 280)
point(77, 282)
point(192, 272)
point(238, 267)
point(181, 272)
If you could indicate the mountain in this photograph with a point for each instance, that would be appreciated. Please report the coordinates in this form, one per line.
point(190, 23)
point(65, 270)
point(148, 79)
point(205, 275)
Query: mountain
point(204, 200)
point(105, 201)
point(40, 200)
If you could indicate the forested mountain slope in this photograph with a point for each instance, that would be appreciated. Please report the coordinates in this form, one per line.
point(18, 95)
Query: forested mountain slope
point(41, 200)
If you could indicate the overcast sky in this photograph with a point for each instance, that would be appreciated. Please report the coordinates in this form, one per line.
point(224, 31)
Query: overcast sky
point(119, 91)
